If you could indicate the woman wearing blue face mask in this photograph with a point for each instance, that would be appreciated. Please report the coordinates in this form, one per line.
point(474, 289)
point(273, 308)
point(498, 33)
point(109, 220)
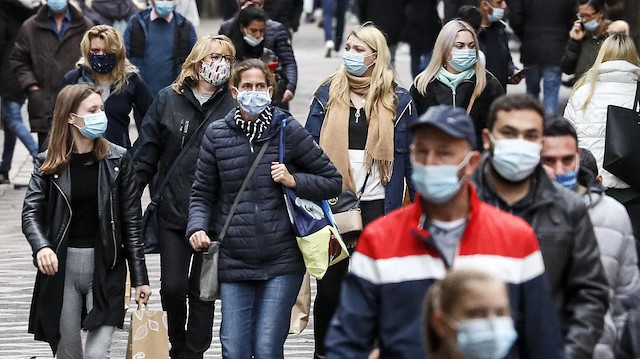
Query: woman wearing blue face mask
point(585, 38)
point(467, 316)
point(260, 266)
point(81, 216)
point(104, 64)
point(359, 116)
point(456, 77)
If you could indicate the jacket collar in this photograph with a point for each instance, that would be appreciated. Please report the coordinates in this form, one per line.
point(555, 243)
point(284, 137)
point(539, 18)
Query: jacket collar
point(42, 17)
point(145, 16)
point(273, 129)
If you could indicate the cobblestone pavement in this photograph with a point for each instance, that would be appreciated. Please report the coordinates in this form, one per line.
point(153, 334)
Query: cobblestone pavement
point(17, 272)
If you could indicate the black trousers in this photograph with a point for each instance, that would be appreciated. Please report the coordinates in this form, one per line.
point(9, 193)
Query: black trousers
point(328, 295)
point(176, 286)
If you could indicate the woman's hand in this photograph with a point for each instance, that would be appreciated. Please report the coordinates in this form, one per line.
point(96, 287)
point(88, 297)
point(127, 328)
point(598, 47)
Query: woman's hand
point(287, 96)
point(143, 292)
point(280, 174)
point(577, 32)
point(199, 241)
point(47, 261)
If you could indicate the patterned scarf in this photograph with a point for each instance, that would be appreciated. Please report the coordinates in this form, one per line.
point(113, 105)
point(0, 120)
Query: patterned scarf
point(254, 129)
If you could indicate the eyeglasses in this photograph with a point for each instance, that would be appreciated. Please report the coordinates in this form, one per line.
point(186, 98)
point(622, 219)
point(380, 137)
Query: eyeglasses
point(586, 16)
point(218, 57)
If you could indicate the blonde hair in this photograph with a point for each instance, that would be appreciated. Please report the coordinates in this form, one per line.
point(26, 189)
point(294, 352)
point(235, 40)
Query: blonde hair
point(442, 50)
point(60, 137)
point(615, 47)
point(191, 66)
point(382, 86)
point(113, 44)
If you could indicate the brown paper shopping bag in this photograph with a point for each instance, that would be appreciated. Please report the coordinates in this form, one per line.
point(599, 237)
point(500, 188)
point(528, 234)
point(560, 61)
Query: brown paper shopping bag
point(148, 336)
point(301, 310)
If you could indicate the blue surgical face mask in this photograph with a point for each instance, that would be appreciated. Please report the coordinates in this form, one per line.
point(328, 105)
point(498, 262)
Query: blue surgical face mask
point(94, 125)
point(591, 25)
point(486, 338)
point(438, 184)
point(515, 159)
point(569, 179)
point(165, 7)
point(497, 15)
point(354, 63)
point(252, 41)
point(57, 6)
point(463, 59)
point(253, 102)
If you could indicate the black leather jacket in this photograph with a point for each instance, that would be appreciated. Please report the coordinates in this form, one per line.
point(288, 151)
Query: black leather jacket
point(46, 212)
point(570, 252)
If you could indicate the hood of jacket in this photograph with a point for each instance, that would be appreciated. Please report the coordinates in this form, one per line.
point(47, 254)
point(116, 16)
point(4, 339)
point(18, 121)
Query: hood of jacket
point(618, 71)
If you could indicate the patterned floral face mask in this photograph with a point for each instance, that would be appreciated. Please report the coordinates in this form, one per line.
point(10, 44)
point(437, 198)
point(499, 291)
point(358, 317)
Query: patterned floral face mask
point(215, 73)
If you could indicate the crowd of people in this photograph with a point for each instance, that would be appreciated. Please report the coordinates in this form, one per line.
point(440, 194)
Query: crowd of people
point(492, 228)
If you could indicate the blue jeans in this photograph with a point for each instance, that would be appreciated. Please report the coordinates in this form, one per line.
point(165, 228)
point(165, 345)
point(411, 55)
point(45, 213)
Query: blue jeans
point(552, 77)
point(14, 128)
point(419, 61)
point(256, 315)
point(329, 9)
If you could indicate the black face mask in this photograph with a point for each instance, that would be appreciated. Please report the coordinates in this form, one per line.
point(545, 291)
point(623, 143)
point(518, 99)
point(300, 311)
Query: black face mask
point(102, 64)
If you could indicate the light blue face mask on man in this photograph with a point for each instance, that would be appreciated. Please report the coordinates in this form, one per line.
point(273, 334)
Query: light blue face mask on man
point(57, 6)
point(165, 7)
point(438, 184)
point(497, 15)
point(463, 59)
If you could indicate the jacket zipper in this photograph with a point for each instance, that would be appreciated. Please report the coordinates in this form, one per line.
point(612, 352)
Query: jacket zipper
point(113, 233)
point(453, 93)
point(66, 227)
point(408, 107)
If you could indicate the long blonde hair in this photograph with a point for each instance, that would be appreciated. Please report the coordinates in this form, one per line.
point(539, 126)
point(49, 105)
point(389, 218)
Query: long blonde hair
point(442, 51)
point(615, 47)
point(191, 66)
point(60, 137)
point(382, 86)
point(113, 44)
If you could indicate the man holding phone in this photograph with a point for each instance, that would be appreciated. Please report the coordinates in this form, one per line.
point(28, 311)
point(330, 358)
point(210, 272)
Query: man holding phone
point(494, 42)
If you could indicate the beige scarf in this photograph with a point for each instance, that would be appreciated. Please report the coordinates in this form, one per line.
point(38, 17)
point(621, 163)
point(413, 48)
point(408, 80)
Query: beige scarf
point(379, 148)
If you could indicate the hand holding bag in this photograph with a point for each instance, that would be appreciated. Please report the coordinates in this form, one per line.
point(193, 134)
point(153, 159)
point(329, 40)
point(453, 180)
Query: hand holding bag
point(209, 284)
point(148, 335)
point(347, 214)
point(622, 144)
point(313, 224)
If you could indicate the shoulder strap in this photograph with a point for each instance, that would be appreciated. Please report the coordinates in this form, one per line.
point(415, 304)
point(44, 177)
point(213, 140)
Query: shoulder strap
point(636, 103)
point(183, 152)
point(242, 188)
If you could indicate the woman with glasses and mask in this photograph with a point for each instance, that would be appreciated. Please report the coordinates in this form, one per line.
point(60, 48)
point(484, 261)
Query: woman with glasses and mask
point(585, 38)
point(199, 96)
point(467, 316)
point(456, 77)
point(104, 64)
point(359, 116)
point(260, 266)
point(81, 216)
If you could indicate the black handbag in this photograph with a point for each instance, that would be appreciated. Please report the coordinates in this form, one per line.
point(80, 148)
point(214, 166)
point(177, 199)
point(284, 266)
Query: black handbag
point(149, 219)
point(622, 145)
point(347, 214)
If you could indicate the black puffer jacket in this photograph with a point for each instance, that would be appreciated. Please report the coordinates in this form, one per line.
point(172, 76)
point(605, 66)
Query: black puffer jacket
point(286, 12)
point(277, 40)
point(422, 25)
point(260, 243)
point(439, 93)
point(46, 215)
point(570, 253)
point(168, 125)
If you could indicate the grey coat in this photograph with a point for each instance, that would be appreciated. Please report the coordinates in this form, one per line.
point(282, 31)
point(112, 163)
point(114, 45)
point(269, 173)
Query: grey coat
point(612, 227)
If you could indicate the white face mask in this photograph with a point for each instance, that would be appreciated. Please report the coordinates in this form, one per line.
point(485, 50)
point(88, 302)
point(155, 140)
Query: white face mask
point(515, 159)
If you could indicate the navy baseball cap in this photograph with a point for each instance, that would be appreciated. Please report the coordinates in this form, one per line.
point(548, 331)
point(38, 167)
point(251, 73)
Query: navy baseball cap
point(453, 121)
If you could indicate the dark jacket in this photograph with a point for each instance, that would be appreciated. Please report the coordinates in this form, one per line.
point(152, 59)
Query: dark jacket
point(570, 252)
point(169, 124)
point(275, 39)
point(451, 8)
point(287, 12)
point(135, 40)
point(543, 27)
point(118, 105)
point(629, 341)
point(494, 42)
point(46, 215)
point(40, 58)
point(422, 25)
point(579, 56)
point(12, 15)
point(439, 93)
point(108, 11)
point(389, 17)
point(260, 243)
point(405, 115)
